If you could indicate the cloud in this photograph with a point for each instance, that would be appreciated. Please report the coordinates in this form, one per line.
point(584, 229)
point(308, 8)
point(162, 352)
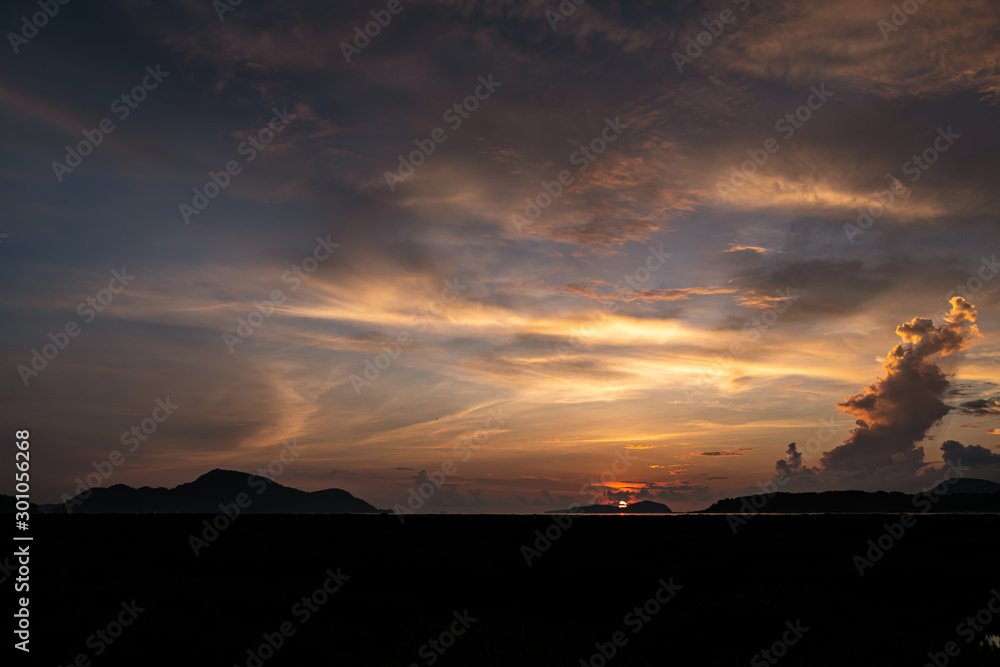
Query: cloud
point(791, 468)
point(792, 463)
point(739, 451)
point(972, 456)
point(628, 296)
point(896, 412)
point(675, 493)
point(528, 294)
point(826, 287)
point(618, 495)
point(736, 247)
point(943, 47)
point(981, 407)
point(677, 294)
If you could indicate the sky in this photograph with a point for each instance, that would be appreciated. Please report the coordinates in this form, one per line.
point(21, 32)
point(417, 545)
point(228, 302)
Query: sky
point(512, 254)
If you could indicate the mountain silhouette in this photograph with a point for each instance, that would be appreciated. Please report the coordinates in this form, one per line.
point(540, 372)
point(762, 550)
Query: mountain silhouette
point(641, 507)
point(254, 494)
point(960, 495)
point(8, 504)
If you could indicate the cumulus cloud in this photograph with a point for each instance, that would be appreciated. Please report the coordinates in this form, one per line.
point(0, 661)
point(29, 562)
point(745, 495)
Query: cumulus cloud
point(792, 474)
point(791, 464)
point(896, 412)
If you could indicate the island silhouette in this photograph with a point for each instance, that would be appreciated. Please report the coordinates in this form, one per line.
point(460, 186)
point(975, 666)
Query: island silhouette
point(205, 494)
point(265, 496)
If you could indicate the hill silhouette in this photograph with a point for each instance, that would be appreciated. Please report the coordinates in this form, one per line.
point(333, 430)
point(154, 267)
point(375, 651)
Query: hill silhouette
point(205, 494)
point(8, 504)
point(641, 507)
point(961, 495)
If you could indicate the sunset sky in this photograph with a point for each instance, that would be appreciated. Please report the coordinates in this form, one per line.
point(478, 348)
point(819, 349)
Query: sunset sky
point(652, 309)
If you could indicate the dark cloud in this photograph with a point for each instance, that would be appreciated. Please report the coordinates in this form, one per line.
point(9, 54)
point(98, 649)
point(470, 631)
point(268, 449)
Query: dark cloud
point(672, 493)
point(972, 456)
point(981, 407)
point(824, 286)
point(791, 470)
point(895, 413)
point(791, 464)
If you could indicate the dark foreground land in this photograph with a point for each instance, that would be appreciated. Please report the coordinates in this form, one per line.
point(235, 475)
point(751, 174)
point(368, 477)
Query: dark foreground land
point(407, 584)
